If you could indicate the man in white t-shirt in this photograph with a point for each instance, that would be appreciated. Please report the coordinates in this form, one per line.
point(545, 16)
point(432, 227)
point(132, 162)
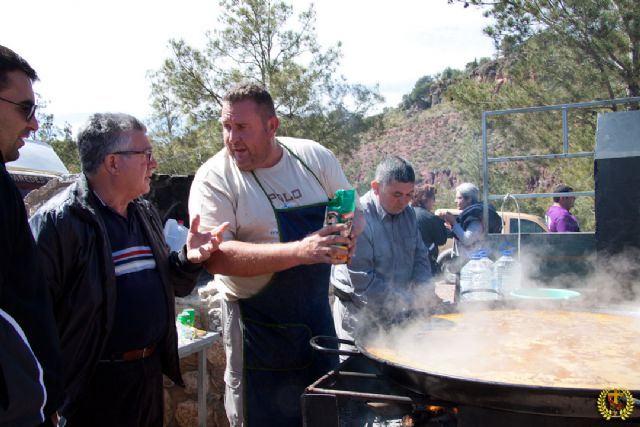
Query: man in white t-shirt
point(273, 266)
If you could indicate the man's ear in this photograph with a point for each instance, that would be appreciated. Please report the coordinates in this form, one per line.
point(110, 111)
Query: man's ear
point(110, 163)
point(375, 186)
point(273, 123)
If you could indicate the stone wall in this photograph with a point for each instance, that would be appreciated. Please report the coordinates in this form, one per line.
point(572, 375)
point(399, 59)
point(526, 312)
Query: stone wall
point(181, 404)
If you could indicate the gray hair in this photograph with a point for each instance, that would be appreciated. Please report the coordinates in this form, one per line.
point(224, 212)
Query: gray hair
point(103, 134)
point(469, 191)
point(394, 168)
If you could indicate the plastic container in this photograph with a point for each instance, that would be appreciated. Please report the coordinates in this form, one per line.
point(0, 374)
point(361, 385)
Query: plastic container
point(506, 274)
point(476, 280)
point(341, 210)
point(545, 294)
point(484, 258)
point(191, 313)
point(185, 331)
point(175, 234)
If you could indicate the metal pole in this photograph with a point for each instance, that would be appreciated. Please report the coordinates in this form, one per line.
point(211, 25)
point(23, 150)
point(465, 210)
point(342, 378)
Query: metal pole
point(202, 387)
point(543, 195)
point(576, 105)
point(485, 176)
point(565, 131)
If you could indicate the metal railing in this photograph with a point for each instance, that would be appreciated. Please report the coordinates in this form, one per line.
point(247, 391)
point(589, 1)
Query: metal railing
point(564, 108)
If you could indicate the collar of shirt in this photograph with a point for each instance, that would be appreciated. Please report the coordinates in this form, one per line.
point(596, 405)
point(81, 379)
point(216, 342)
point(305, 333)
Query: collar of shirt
point(130, 211)
point(382, 214)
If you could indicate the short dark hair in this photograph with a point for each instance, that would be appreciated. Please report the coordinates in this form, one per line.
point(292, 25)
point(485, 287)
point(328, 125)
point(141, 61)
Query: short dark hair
point(422, 193)
point(103, 134)
point(394, 168)
point(11, 61)
point(561, 188)
point(258, 94)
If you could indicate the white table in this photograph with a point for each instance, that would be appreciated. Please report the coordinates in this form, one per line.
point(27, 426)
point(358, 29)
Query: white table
point(200, 346)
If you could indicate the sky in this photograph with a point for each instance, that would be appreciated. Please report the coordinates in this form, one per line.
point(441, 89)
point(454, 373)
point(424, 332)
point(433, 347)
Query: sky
point(94, 56)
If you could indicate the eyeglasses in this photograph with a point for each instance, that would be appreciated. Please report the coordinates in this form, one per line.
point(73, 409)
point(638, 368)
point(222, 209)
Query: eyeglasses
point(28, 108)
point(148, 153)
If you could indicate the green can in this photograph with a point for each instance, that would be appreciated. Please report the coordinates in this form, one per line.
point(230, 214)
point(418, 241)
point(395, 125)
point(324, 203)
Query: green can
point(341, 210)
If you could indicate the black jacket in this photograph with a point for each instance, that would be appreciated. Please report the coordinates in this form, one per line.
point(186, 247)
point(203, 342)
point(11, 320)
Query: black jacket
point(80, 273)
point(25, 300)
point(474, 213)
point(433, 233)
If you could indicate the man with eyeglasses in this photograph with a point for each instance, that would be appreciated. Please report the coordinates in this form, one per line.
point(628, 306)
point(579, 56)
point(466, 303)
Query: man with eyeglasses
point(30, 361)
point(113, 279)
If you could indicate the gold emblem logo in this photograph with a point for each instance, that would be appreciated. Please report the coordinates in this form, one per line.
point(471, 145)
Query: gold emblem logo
point(615, 403)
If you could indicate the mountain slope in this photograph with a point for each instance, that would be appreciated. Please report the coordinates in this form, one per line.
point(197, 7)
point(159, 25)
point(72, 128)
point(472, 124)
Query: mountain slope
point(432, 140)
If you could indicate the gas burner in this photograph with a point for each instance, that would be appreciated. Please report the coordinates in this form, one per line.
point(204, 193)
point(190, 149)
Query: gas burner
point(357, 394)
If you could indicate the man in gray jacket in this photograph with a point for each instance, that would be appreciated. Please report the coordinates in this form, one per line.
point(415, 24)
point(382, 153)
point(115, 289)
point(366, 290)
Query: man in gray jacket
point(389, 273)
point(113, 279)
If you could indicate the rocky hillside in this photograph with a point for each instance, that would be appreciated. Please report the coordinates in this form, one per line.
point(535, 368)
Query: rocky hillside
point(431, 140)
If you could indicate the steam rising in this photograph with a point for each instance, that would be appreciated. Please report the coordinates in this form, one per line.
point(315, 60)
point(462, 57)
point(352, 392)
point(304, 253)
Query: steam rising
point(607, 284)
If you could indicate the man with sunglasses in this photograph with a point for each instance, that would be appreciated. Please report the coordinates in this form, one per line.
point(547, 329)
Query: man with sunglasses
point(113, 279)
point(30, 364)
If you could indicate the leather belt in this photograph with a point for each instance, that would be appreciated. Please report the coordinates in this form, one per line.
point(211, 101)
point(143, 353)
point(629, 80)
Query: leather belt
point(128, 356)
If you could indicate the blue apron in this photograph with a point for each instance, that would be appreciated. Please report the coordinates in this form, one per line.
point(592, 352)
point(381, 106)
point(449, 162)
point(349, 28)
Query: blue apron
point(277, 324)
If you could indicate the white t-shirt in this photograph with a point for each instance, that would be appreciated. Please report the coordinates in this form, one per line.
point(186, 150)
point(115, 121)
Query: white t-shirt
point(221, 192)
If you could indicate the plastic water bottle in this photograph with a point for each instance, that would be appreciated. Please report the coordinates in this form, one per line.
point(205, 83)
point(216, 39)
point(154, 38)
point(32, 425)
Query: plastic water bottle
point(484, 258)
point(175, 234)
point(506, 273)
point(475, 280)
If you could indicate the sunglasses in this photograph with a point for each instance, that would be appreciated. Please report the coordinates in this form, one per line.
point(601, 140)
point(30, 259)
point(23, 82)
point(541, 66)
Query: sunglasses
point(148, 153)
point(27, 108)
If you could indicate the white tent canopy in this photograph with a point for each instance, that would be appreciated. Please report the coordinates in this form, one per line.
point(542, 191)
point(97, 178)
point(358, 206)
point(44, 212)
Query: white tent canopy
point(38, 157)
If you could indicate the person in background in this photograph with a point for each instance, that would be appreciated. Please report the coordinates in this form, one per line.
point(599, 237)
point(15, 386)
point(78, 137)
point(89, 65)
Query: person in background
point(273, 267)
point(113, 279)
point(467, 227)
point(30, 360)
point(431, 227)
point(390, 273)
point(558, 217)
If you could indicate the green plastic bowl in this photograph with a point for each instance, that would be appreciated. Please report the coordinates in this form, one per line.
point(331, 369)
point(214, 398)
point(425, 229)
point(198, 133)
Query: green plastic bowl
point(544, 294)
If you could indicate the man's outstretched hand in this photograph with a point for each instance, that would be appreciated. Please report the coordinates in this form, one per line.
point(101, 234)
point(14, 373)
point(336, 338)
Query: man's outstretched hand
point(200, 246)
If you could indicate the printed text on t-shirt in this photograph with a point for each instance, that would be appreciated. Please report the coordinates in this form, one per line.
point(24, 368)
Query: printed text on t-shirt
point(286, 197)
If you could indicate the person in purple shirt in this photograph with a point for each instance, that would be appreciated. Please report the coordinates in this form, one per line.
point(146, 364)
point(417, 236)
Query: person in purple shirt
point(558, 217)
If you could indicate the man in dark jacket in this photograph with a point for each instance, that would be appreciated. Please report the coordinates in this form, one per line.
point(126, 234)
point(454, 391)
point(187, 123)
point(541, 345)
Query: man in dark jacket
point(113, 279)
point(30, 365)
point(430, 226)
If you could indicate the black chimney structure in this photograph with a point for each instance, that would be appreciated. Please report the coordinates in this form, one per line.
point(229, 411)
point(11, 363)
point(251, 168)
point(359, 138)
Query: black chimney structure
point(617, 189)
